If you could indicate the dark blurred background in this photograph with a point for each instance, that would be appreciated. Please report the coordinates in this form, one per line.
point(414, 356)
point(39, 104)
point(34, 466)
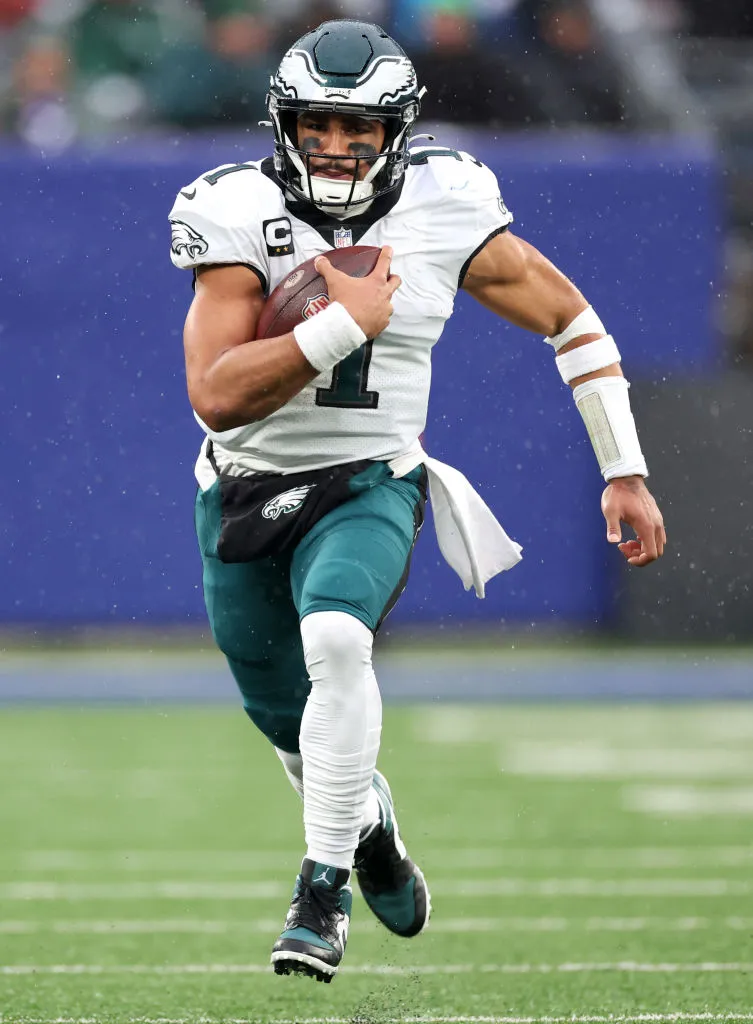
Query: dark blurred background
point(622, 134)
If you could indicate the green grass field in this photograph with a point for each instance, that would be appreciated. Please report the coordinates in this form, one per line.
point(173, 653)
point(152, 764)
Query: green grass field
point(586, 862)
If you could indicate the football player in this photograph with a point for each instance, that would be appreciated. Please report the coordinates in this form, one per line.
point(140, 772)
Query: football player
point(311, 477)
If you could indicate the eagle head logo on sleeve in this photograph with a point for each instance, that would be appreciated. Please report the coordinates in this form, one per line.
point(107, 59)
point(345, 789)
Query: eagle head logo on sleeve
point(287, 502)
point(186, 238)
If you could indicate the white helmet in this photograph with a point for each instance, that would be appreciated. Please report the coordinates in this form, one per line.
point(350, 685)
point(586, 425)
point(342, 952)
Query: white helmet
point(344, 67)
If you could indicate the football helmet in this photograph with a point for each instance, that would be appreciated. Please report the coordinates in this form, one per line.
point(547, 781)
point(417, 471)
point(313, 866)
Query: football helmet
point(344, 67)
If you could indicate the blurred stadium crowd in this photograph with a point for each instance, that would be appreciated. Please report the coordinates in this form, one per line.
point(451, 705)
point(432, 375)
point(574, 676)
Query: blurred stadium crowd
point(94, 69)
point(72, 68)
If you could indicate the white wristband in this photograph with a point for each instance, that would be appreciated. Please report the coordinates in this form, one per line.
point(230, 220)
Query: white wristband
point(587, 322)
point(587, 358)
point(328, 337)
point(605, 407)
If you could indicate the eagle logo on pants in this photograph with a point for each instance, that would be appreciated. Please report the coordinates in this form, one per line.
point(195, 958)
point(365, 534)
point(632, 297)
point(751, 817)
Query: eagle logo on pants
point(287, 502)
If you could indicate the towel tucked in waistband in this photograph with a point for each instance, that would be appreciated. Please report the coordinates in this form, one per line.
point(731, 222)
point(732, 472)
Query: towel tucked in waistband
point(471, 540)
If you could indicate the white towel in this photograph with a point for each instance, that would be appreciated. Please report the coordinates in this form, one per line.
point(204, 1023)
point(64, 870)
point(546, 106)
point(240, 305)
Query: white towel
point(469, 536)
point(471, 540)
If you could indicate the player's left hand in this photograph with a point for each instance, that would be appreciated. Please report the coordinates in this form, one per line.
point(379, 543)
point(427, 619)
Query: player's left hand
point(627, 499)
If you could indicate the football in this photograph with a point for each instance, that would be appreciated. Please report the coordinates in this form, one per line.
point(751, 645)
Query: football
point(303, 293)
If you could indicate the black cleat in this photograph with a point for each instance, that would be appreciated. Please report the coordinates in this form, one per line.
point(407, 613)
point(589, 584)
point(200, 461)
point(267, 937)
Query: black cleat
point(392, 885)
point(316, 928)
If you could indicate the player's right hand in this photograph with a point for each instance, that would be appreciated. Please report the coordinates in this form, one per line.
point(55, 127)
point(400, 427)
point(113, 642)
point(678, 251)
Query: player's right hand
point(367, 299)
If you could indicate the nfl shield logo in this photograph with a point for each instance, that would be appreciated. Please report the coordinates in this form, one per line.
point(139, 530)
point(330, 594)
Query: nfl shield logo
point(343, 238)
point(315, 305)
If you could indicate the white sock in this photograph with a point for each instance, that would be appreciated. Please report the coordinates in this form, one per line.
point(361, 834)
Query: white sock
point(371, 813)
point(340, 732)
point(293, 765)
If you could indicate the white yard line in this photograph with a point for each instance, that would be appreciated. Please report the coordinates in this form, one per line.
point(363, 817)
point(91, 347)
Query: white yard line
point(638, 1018)
point(656, 887)
point(247, 861)
point(689, 801)
point(451, 925)
point(655, 857)
point(620, 967)
point(156, 860)
point(696, 727)
point(169, 890)
point(599, 760)
point(483, 888)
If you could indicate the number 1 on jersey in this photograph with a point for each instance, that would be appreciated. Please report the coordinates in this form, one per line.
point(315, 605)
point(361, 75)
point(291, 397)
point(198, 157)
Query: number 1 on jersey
point(349, 387)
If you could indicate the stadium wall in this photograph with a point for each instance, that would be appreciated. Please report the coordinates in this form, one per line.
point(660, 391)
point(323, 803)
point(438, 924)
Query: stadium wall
point(702, 589)
point(100, 442)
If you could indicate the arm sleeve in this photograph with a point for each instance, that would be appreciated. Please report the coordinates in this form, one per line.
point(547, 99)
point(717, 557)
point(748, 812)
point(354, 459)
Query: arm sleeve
point(207, 229)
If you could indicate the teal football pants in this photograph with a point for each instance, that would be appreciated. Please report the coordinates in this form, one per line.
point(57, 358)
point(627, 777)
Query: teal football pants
point(354, 560)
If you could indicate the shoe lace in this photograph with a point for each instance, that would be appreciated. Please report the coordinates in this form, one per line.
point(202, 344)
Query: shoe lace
point(314, 905)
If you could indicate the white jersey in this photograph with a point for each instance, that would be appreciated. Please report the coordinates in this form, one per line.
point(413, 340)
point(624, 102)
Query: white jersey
point(374, 404)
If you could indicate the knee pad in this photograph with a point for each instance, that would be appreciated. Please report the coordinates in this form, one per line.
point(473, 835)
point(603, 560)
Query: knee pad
point(335, 646)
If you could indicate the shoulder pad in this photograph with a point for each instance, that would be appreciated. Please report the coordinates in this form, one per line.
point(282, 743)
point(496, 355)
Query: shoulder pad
point(218, 218)
point(455, 171)
point(215, 195)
